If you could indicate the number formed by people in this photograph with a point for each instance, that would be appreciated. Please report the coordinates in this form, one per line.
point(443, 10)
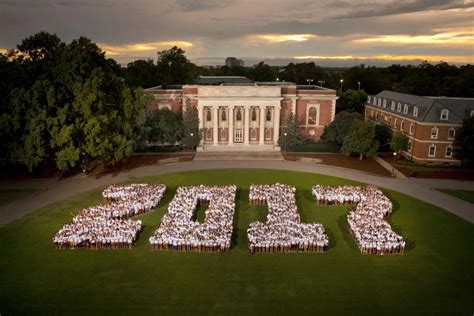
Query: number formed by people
point(178, 230)
point(109, 225)
point(283, 230)
point(367, 223)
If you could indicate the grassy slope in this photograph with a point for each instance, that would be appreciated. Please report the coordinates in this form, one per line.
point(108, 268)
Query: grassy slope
point(465, 195)
point(7, 196)
point(434, 276)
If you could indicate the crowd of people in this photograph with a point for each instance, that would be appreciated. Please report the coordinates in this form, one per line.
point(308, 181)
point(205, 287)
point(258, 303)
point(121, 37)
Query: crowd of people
point(283, 230)
point(109, 225)
point(367, 223)
point(178, 229)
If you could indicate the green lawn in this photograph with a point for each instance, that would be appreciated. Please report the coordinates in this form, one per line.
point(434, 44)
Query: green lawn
point(434, 276)
point(465, 195)
point(7, 196)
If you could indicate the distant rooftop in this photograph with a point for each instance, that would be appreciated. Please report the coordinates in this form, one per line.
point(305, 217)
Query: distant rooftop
point(218, 80)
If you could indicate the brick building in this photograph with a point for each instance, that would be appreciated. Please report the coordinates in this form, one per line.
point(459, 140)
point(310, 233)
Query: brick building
point(235, 114)
point(430, 123)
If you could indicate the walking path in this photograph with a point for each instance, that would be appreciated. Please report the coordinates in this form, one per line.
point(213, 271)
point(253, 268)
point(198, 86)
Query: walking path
point(57, 190)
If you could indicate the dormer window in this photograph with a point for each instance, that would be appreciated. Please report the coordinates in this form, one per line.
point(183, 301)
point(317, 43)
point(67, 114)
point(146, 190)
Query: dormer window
point(415, 111)
point(374, 101)
point(444, 115)
point(393, 106)
point(405, 109)
point(472, 113)
point(379, 102)
point(399, 107)
point(384, 103)
point(368, 99)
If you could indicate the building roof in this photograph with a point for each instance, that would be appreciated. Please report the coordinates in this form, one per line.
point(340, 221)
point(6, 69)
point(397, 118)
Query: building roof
point(429, 108)
point(218, 80)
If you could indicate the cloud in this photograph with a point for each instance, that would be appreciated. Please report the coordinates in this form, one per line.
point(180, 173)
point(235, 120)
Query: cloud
point(358, 9)
point(153, 47)
point(388, 57)
point(279, 38)
point(203, 5)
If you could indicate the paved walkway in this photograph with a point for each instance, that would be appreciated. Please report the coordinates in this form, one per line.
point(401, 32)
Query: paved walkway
point(57, 190)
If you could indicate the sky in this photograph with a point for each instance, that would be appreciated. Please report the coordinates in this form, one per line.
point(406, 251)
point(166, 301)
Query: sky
point(328, 32)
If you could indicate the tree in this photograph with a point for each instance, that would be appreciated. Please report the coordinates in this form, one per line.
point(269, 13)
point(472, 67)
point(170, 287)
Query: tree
point(192, 135)
point(340, 127)
point(174, 68)
point(264, 72)
point(361, 140)
point(383, 134)
point(464, 142)
point(142, 73)
point(399, 142)
point(290, 136)
point(351, 100)
point(165, 127)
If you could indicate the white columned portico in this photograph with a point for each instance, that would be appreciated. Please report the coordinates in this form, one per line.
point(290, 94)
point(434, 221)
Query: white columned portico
point(230, 136)
point(261, 137)
point(247, 125)
point(215, 118)
point(201, 123)
point(276, 125)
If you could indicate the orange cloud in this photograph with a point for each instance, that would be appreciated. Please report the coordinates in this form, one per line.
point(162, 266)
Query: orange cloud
point(113, 50)
point(279, 38)
point(430, 58)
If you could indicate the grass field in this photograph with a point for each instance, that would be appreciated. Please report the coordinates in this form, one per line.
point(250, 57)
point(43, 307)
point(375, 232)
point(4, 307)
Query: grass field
point(434, 276)
point(465, 195)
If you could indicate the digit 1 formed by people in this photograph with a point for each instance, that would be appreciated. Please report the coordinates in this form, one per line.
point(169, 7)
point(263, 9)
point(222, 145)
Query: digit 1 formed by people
point(109, 225)
point(178, 230)
point(373, 234)
point(283, 230)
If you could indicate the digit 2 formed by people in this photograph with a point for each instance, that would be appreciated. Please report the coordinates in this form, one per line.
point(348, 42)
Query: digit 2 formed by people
point(109, 225)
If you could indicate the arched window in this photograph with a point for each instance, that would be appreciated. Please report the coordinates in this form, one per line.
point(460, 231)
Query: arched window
point(254, 114)
point(238, 116)
point(402, 124)
point(268, 134)
point(223, 116)
point(399, 107)
point(384, 103)
point(444, 114)
point(268, 115)
point(253, 133)
point(405, 109)
point(392, 106)
point(434, 133)
point(415, 111)
point(312, 115)
point(374, 101)
point(208, 115)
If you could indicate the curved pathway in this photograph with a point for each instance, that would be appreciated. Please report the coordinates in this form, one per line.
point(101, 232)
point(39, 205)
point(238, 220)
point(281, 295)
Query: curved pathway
point(57, 190)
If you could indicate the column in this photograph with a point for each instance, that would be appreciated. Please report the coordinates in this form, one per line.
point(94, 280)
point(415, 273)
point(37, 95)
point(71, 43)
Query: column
point(261, 137)
point(276, 124)
point(247, 125)
point(230, 117)
point(215, 118)
point(293, 106)
point(201, 122)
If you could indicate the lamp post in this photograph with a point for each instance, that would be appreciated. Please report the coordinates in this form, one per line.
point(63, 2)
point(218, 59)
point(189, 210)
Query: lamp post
point(309, 81)
point(358, 82)
point(321, 82)
point(286, 141)
point(393, 163)
point(341, 81)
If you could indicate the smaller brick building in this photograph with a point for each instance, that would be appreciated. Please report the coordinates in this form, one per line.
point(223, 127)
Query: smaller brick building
point(430, 123)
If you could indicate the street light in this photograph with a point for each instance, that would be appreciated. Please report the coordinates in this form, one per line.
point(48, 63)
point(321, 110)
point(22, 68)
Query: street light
point(286, 142)
point(309, 81)
point(358, 82)
point(321, 82)
point(393, 163)
point(341, 81)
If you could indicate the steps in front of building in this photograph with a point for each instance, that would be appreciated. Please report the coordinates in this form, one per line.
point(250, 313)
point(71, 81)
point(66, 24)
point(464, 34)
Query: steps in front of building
point(238, 155)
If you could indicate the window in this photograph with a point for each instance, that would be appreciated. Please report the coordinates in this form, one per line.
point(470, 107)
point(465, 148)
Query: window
point(372, 114)
point(451, 133)
point(395, 124)
point(268, 115)
point(399, 107)
point(434, 133)
point(412, 128)
point(312, 115)
point(368, 99)
point(384, 103)
point(405, 109)
point(415, 111)
point(409, 145)
point(432, 151)
point(377, 116)
point(223, 116)
point(208, 134)
point(374, 101)
point(390, 121)
point(238, 116)
point(223, 134)
point(392, 106)
point(254, 115)
point(449, 151)
point(268, 134)
point(379, 102)
point(444, 114)
point(208, 115)
point(402, 124)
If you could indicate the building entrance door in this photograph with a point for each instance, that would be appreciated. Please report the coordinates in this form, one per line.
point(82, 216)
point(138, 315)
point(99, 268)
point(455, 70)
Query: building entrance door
point(238, 136)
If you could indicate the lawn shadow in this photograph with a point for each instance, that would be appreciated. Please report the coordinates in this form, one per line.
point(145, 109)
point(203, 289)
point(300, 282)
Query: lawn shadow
point(346, 234)
point(235, 225)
